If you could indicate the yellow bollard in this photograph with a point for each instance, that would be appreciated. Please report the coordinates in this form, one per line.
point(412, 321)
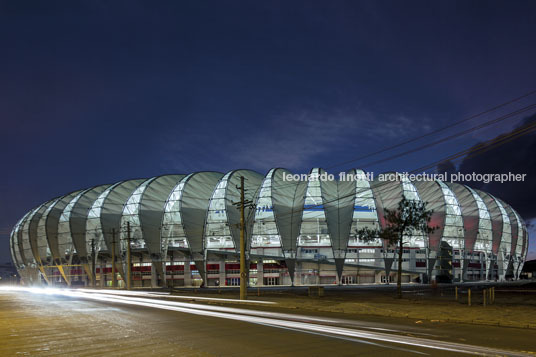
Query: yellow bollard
point(469, 297)
point(484, 293)
point(493, 294)
point(456, 292)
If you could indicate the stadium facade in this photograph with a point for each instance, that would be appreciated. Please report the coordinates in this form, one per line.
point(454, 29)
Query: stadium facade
point(184, 231)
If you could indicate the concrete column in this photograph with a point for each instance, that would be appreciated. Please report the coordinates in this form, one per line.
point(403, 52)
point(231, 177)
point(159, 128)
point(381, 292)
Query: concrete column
point(222, 272)
point(432, 260)
point(154, 275)
point(260, 273)
point(102, 281)
point(171, 281)
point(187, 274)
point(490, 262)
point(501, 269)
point(482, 259)
point(461, 269)
point(516, 271)
point(378, 276)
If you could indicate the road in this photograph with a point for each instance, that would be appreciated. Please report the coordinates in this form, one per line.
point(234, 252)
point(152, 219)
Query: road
point(86, 323)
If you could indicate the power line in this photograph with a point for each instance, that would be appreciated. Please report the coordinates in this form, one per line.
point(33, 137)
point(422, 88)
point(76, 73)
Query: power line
point(474, 150)
point(454, 136)
point(435, 131)
point(450, 137)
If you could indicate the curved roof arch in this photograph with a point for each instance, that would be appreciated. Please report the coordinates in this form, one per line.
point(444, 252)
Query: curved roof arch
point(110, 211)
point(11, 247)
point(172, 232)
point(14, 242)
point(453, 233)
point(522, 237)
point(43, 249)
point(314, 227)
point(130, 218)
point(142, 214)
point(19, 238)
point(151, 211)
point(484, 238)
point(264, 231)
point(387, 194)
point(98, 225)
point(288, 200)
point(514, 227)
point(496, 220)
point(252, 183)
point(52, 223)
point(193, 206)
point(222, 217)
point(365, 211)
point(78, 217)
point(27, 244)
point(525, 245)
point(506, 239)
point(433, 195)
point(470, 214)
point(38, 249)
point(66, 244)
point(338, 199)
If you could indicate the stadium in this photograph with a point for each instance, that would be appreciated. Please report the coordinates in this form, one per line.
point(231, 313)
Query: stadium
point(184, 230)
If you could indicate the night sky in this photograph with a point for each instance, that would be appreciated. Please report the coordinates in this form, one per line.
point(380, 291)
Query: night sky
point(95, 92)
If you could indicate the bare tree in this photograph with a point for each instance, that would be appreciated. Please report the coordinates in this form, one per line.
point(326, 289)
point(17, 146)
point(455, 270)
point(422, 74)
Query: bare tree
point(410, 218)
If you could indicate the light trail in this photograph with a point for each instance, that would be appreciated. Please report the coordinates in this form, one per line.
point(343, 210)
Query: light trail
point(351, 340)
point(163, 294)
point(276, 320)
point(291, 317)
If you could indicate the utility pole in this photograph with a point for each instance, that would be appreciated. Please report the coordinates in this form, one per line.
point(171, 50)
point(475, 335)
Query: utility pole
point(129, 259)
point(114, 274)
point(93, 264)
point(242, 204)
point(243, 275)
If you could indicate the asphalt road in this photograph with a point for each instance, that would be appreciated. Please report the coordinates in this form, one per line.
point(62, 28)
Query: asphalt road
point(74, 323)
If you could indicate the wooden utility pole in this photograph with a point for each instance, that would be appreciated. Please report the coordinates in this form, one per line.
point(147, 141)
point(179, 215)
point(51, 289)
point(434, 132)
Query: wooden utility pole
point(243, 275)
point(114, 274)
point(93, 264)
point(129, 259)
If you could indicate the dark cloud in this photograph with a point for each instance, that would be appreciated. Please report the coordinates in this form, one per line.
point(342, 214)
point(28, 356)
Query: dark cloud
point(446, 166)
point(516, 156)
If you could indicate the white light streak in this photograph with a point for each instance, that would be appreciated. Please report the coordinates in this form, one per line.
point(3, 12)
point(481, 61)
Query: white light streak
point(277, 320)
